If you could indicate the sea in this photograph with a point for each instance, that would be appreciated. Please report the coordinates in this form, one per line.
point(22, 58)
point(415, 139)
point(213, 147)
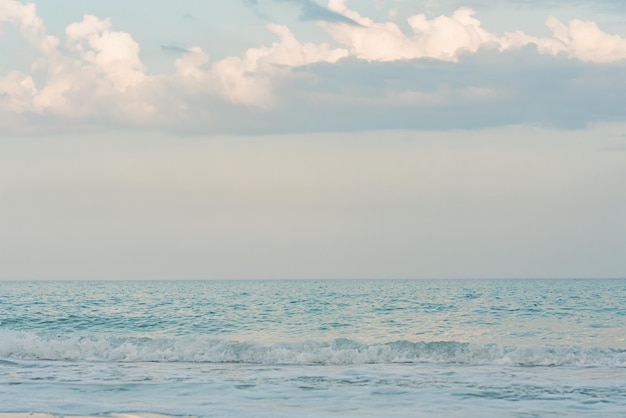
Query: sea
point(313, 348)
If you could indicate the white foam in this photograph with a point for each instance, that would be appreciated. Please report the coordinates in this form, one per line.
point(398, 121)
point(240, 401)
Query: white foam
point(15, 345)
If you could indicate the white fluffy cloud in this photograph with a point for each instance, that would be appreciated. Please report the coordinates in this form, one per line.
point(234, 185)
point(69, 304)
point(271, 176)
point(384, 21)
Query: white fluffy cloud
point(247, 79)
point(579, 39)
point(19, 91)
point(191, 64)
point(97, 72)
point(25, 17)
point(446, 37)
point(442, 38)
point(91, 76)
point(113, 55)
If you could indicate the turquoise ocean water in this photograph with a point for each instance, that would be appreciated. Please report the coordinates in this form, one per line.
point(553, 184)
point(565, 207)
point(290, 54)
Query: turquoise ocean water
point(363, 348)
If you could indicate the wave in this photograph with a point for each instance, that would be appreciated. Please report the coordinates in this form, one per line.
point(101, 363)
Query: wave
point(19, 345)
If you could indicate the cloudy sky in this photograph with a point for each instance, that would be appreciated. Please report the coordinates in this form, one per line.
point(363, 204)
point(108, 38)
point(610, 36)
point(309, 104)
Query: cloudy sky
point(312, 139)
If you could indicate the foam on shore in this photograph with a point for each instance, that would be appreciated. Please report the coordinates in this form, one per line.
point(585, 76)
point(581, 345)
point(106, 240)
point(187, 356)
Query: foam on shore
point(17, 346)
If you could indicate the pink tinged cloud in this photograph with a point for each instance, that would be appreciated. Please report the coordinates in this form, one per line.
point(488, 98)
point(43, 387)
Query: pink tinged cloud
point(98, 70)
point(442, 38)
point(579, 39)
point(586, 42)
point(112, 55)
point(247, 79)
point(191, 64)
point(19, 91)
point(445, 38)
point(25, 17)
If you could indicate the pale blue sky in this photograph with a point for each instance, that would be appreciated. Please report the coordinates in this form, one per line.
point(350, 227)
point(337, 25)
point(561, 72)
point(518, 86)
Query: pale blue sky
point(295, 138)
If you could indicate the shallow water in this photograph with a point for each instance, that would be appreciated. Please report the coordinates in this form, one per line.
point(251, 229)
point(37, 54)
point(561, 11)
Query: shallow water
point(315, 348)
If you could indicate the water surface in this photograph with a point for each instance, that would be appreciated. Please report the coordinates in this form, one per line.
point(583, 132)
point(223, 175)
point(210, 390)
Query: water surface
point(314, 348)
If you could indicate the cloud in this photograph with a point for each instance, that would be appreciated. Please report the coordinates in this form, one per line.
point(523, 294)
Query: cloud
point(579, 39)
point(446, 38)
point(442, 38)
point(445, 96)
point(378, 76)
point(190, 65)
point(25, 17)
point(19, 91)
point(248, 79)
point(107, 65)
point(113, 55)
point(99, 74)
point(487, 89)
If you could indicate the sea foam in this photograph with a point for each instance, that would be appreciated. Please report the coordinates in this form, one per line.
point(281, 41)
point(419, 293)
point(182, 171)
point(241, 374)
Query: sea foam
point(20, 345)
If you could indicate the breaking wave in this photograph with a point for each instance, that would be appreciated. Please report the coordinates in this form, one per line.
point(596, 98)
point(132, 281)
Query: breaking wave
point(18, 345)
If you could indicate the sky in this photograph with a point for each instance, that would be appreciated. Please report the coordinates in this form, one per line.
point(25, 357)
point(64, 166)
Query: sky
point(312, 139)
